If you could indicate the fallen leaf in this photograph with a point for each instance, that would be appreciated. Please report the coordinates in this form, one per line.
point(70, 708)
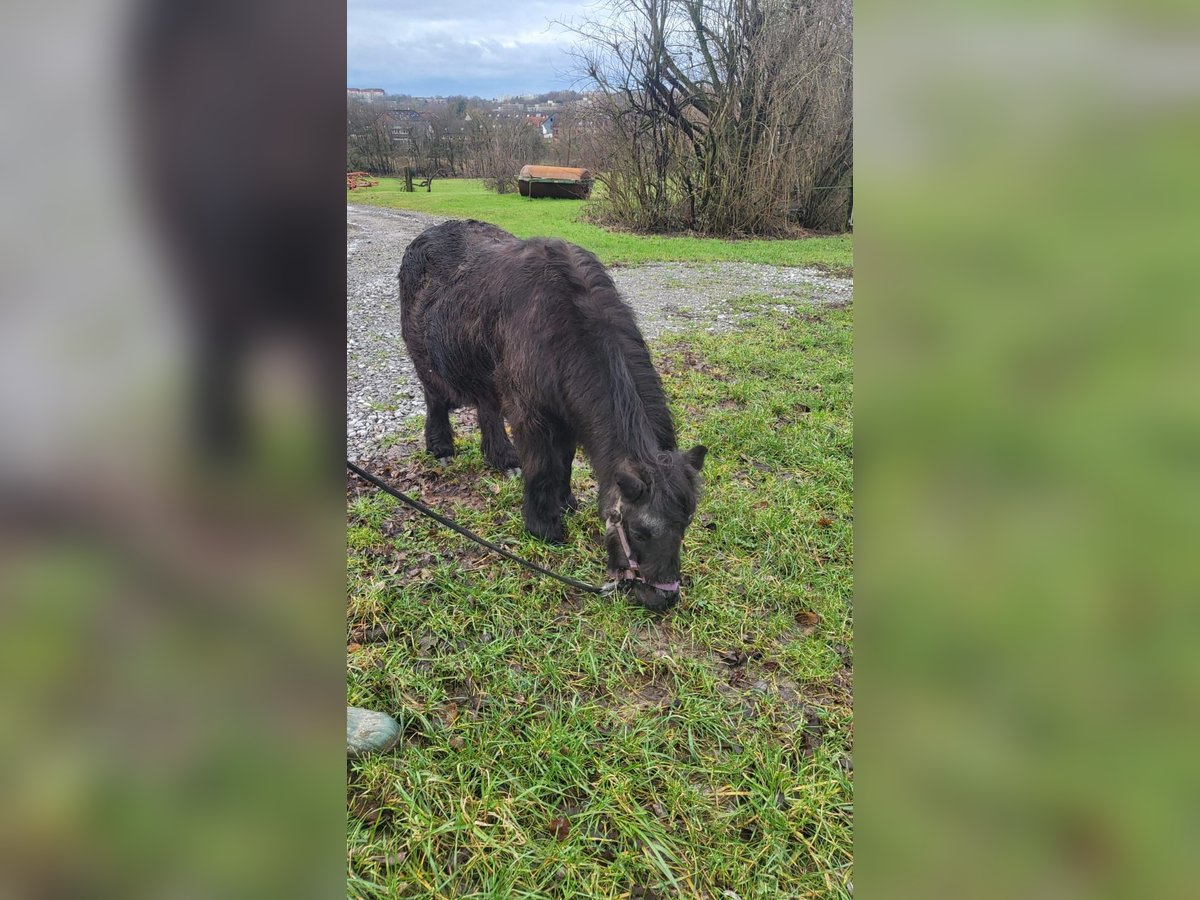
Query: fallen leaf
point(369, 635)
point(351, 648)
point(812, 733)
point(560, 827)
point(808, 622)
point(734, 658)
point(824, 521)
point(365, 809)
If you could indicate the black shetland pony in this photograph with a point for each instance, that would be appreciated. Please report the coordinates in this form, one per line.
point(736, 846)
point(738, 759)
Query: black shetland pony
point(535, 332)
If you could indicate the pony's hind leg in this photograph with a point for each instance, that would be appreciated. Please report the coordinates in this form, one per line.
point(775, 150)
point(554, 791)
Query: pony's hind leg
point(439, 436)
point(497, 448)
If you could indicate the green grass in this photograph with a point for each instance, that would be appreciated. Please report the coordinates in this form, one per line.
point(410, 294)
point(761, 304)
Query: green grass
point(561, 744)
point(467, 198)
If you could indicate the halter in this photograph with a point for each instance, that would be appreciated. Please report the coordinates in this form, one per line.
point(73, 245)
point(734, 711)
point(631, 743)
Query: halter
point(633, 571)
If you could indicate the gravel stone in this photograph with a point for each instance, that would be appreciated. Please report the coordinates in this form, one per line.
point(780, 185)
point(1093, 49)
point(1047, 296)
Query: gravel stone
point(382, 390)
point(369, 731)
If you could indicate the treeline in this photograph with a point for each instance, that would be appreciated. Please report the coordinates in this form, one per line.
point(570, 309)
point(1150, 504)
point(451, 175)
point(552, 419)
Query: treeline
point(465, 136)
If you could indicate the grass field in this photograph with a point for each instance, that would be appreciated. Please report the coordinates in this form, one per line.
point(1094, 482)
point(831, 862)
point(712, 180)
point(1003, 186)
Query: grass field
point(467, 198)
point(559, 744)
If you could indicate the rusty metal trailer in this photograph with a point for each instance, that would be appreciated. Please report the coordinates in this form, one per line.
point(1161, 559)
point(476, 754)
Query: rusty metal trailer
point(555, 181)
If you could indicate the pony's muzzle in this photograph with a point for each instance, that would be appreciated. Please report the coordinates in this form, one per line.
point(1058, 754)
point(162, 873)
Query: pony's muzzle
point(654, 598)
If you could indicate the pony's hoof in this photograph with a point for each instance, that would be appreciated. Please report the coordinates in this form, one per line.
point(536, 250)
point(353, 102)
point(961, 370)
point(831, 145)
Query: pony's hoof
point(551, 534)
point(512, 473)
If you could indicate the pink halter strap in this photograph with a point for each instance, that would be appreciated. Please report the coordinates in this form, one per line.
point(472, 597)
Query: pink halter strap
point(633, 571)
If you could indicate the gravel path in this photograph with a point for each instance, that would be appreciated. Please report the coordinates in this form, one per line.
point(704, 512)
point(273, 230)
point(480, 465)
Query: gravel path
point(381, 387)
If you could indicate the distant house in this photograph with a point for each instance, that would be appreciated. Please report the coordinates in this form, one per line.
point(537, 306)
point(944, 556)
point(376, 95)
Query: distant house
point(402, 124)
point(371, 95)
point(548, 128)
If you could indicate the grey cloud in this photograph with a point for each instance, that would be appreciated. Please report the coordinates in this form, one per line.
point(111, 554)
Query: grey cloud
point(485, 47)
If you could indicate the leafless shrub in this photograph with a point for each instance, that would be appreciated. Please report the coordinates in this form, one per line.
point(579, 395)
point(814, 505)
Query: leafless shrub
point(724, 116)
point(498, 148)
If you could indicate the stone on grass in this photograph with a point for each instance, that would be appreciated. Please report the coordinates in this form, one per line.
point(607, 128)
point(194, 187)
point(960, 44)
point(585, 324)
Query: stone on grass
point(368, 731)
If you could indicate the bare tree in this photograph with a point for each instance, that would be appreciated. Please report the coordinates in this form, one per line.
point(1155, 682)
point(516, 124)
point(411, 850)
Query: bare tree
point(369, 145)
point(568, 124)
point(424, 148)
point(724, 116)
point(447, 135)
point(499, 147)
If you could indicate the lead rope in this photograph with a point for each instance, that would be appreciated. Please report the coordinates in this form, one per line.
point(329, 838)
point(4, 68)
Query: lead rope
point(467, 533)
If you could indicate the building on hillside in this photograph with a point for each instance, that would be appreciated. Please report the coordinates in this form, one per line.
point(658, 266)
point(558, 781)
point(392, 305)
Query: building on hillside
point(403, 125)
point(371, 95)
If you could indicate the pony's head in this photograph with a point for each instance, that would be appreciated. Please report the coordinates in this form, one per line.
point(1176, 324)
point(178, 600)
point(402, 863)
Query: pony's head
point(647, 510)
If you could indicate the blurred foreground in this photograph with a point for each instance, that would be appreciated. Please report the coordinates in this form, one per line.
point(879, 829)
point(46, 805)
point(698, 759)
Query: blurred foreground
point(1028, 438)
point(171, 538)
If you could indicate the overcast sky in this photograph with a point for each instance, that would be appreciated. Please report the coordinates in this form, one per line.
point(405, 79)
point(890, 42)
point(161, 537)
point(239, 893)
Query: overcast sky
point(484, 47)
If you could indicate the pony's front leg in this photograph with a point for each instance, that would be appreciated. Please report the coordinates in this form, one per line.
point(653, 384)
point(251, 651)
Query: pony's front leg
point(541, 468)
point(439, 436)
point(565, 447)
point(497, 449)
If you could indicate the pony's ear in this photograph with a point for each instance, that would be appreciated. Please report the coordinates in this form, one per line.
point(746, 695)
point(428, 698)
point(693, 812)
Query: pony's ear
point(629, 483)
point(695, 457)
